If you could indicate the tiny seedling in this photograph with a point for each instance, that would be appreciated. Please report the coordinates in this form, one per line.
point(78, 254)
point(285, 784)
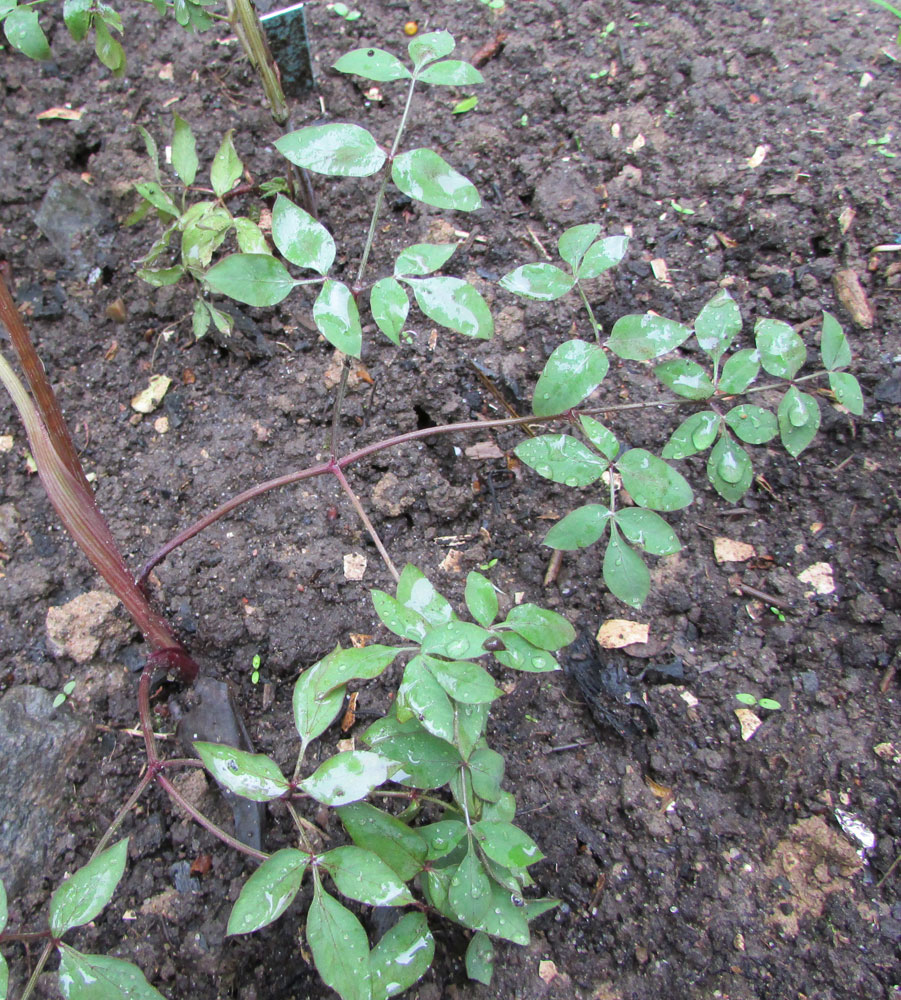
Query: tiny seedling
point(342, 10)
point(255, 669)
point(63, 695)
point(893, 10)
point(751, 702)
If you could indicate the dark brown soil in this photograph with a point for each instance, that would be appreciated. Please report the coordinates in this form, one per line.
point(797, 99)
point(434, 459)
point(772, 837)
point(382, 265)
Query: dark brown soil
point(738, 881)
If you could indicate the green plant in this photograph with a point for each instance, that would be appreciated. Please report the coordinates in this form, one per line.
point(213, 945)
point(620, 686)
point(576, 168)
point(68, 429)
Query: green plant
point(893, 10)
point(63, 695)
point(748, 699)
point(453, 841)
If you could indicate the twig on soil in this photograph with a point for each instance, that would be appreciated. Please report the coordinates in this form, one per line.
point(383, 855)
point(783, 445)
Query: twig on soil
point(891, 868)
point(762, 595)
point(553, 567)
point(571, 746)
point(538, 243)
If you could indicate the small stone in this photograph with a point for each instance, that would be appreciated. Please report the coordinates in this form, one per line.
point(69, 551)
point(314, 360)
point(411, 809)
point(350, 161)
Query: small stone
point(389, 498)
point(78, 628)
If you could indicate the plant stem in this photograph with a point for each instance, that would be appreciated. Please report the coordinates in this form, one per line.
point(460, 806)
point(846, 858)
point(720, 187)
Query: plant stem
point(206, 823)
point(370, 527)
point(38, 969)
point(123, 812)
point(594, 323)
point(302, 826)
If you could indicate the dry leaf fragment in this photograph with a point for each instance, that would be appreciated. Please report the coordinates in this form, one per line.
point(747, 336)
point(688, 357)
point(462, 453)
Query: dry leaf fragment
point(688, 698)
point(852, 296)
point(166, 72)
point(452, 562)
point(729, 550)
point(819, 577)
point(150, 398)
point(639, 142)
point(359, 640)
point(661, 271)
point(618, 632)
point(749, 722)
point(547, 971)
point(354, 566)
point(6, 442)
point(66, 114)
point(888, 751)
point(483, 449)
point(350, 713)
point(757, 157)
point(846, 217)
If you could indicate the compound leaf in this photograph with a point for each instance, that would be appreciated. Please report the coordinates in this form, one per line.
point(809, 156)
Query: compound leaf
point(573, 371)
point(339, 150)
point(424, 175)
point(641, 338)
point(300, 238)
point(252, 775)
point(81, 898)
point(543, 282)
point(268, 892)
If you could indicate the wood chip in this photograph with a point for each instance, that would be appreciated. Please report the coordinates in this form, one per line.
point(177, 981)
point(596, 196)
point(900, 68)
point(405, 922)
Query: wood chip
point(483, 449)
point(852, 296)
point(749, 722)
point(819, 577)
point(661, 271)
point(757, 157)
point(354, 566)
point(618, 632)
point(547, 971)
point(728, 550)
point(66, 114)
point(845, 218)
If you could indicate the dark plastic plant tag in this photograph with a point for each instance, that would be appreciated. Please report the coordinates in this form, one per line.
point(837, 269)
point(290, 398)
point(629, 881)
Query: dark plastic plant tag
point(286, 32)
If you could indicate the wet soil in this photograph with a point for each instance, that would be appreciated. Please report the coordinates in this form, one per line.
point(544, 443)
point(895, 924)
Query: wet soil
point(688, 860)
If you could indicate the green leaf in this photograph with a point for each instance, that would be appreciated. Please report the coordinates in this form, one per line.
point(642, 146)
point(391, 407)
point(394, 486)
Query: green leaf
point(300, 238)
point(625, 572)
point(799, 421)
point(647, 530)
point(454, 303)
point(503, 918)
point(469, 893)
point(362, 875)
point(428, 762)
point(77, 15)
point(739, 371)
point(652, 483)
point(268, 892)
point(257, 279)
point(480, 957)
point(401, 848)
point(847, 391)
point(200, 319)
point(579, 528)
point(373, 64)
point(423, 258)
point(694, 434)
point(337, 319)
point(603, 439)
point(402, 956)
point(456, 640)
point(481, 598)
point(486, 769)
point(390, 306)
point(252, 775)
point(343, 665)
point(782, 352)
point(200, 241)
point(81, 898)
point(100, 977)
point(227, 167)
point(834, 347)
point(543, 282)
point(575, 241)
point(603, 255)
point(573, 371)
point(160, 277)
point(685, 378)
point(420, 696)
point(346, 777)
point(158, 198)
point(184, 151)
point(746, 699)
point(430, 46)
point(464, 681)
point(642, 338)
point(338, 150)
point(467, 104)
point(729, 469)
point(507, 844)
point(752, 424)
point(314, 710)
point(401, 620)
point(149, 141)
point(415, 591)
point(451, 73)
point(769, 704)
point(340, 947)
point(718, 324)
point(470, 722)
point(562, 459)
point(424, 175)
point(542, 628)
point(4, 978)
point(24, 32)
point(250, 236)
point(520, 654)
point(442, 837)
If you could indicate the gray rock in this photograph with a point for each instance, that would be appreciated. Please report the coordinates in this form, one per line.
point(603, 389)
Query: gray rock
point(72, 220)
point(37, 742)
